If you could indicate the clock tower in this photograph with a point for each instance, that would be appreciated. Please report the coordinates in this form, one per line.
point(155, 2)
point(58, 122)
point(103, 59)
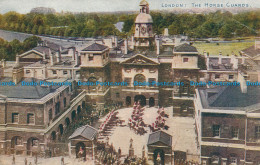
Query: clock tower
point(143, 36)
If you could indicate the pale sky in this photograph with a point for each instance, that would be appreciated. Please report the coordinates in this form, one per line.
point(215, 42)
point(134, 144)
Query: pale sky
point(24, 6)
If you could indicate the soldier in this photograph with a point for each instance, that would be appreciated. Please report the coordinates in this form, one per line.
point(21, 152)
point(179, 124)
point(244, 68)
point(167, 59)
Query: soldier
point(13, 160)
point(119, 152)
point(25, 161)
point(62, 160)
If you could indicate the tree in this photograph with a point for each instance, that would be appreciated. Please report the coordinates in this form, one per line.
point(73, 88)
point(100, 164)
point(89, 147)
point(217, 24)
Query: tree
point(41, 30)
point(35, 29)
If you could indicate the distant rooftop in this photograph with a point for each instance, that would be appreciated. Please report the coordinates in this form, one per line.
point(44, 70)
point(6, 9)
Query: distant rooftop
point(160, 136)
point(95, 47)
point(86, 132)
point(185, 48)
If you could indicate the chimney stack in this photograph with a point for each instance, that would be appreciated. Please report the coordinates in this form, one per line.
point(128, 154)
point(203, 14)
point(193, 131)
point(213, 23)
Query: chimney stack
point(76, 58)
point(3, 63)
point(126, 46)
point(17, 60)
point(133, 43)
point(52, 59)
point(234, 61)
point(207, 62)
point(205, 53)
point(220, 58)
point(166, 32)
point(242, 81)
point(116, 41)
point(158, 46)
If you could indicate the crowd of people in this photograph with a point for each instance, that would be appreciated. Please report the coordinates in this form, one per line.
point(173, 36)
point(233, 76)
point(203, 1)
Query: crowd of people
point(159, 122)
point(136, 122)
point(110, 118)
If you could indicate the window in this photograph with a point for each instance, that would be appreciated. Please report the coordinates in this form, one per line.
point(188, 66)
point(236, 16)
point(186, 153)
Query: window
point(64, 102)
point(216, 130)
point(57, 108)
point(15, 117)
point(91, 70)
point(90, 57)
point(128, 80)
point(30, 118)
point(35, 142)
point(215, 159)
point(151, 80)
point(117, 95)
point(217, 76)
point(235, 132)
point(65, 72)
point(18, 141)
point(54, 72)
point(230, 77)
point(185, 59)
point(233, 160)
point(50, 114)
point(257, 132)
point(28, 71)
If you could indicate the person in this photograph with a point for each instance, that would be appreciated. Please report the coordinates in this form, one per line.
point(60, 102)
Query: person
point(30, 163)
point(25, 161)
point(62, 160)
point(119, 152)
point(36, 160)
point(80, 153)
point(13, 160)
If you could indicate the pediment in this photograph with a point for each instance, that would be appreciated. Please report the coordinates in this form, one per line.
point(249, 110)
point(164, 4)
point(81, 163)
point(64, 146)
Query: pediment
point(31, 54)
point(140, 60)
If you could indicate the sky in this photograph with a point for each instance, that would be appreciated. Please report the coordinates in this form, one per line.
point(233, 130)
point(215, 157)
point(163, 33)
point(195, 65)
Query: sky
point(24, 6)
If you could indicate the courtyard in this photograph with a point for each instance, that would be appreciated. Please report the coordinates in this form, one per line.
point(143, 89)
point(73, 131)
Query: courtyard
point(182, 130)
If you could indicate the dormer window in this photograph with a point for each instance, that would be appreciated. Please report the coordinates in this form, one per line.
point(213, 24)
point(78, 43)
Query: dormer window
point(90, 57)
point(185, 59)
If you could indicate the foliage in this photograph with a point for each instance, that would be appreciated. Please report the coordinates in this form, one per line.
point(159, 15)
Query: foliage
point(215, 24)
point(8, 50)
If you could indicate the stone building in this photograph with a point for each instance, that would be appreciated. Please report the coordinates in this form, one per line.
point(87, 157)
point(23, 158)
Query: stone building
point(34, 116)
point(160, 148)
point(227, 124)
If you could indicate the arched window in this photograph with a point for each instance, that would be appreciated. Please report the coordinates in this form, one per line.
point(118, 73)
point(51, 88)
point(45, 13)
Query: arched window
point(139, 78)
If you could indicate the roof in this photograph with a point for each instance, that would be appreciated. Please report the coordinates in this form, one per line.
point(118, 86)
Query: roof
point(143, 3)
point(86, 131)
point(160, 136)
point(225, 65)
point(26, 92)
point(251, 51)
point(144, 18)
point(185, 48)
point(225, 97)
point(95, 47)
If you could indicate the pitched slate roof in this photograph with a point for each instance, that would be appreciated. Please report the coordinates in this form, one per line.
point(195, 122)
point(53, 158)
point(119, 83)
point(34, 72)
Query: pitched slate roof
point(95, 47)
point(225, 97)
point(25, 92)
point(185, 48)
point(160, 136)
point(251, 51)
point(86, 131)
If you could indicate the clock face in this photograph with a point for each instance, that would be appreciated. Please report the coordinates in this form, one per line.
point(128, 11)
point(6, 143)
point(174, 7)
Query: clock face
point(143, 29)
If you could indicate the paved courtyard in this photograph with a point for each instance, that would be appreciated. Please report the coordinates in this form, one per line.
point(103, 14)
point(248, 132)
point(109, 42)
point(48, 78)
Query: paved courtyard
point(182, 130)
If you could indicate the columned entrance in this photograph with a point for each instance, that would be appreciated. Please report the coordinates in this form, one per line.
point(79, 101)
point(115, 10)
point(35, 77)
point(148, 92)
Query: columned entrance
point(141, 98)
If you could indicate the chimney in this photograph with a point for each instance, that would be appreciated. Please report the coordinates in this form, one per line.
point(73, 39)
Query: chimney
point(116, 41)
point(58, 57)
point(242, 81)
point(257, 43)
point(76, 58)
point(52, 59)
point(3, 63)
point(44, 55)
point(157, 46)
point(166, 32)
point(17, 60)
point(133, 43)
point(243, 59)
point(205, 53)
point(220, 58)
point(234, 61)
point(126, 46)
point(207, 62)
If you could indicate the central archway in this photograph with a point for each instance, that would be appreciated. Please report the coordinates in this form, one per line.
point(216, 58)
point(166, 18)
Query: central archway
point(141, 98)
point(128, 101)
